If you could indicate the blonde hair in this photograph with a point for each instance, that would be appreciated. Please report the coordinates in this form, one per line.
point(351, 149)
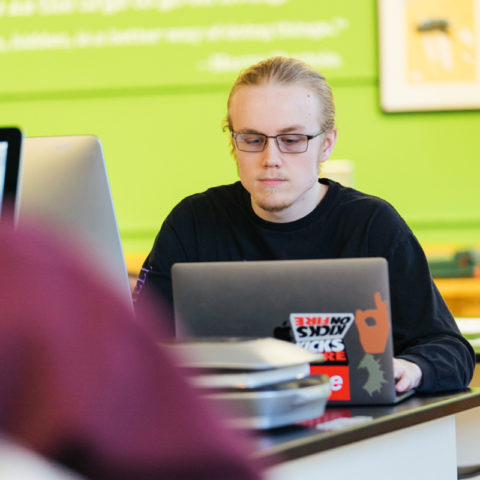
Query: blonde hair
point(286, 71)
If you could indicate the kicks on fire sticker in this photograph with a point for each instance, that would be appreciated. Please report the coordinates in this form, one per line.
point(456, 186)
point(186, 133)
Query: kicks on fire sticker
point(322, 332)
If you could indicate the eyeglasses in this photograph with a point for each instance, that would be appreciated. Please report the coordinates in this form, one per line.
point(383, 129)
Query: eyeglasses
point(286, 142)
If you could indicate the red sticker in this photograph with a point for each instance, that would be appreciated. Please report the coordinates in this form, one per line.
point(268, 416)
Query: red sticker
point(339, 380)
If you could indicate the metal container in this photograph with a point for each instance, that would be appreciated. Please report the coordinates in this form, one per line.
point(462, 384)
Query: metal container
point(275, 405)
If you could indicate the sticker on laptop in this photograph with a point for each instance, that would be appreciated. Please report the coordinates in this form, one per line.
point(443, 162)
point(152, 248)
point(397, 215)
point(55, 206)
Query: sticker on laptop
point(322, 332)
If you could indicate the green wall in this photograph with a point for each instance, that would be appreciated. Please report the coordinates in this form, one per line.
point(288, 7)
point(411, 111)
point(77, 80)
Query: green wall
point(159, 121)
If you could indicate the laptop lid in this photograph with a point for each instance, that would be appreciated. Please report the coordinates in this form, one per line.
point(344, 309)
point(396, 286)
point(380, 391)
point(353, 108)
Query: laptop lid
point(340, 307)
point(10, 154)
point(65, 185)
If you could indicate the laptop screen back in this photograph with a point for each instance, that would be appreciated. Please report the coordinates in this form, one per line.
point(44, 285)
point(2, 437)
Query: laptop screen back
point(337, 307)
point(10, 150)
point(65, 186)
point(256, 299)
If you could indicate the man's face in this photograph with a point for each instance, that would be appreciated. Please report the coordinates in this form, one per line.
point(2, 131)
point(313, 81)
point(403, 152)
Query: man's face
point(283, 186)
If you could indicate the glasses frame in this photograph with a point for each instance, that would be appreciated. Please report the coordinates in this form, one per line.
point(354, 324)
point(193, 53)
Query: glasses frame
point(266, 137)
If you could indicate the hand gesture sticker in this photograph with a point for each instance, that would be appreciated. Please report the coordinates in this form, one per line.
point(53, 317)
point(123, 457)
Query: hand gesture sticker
point(373, 326)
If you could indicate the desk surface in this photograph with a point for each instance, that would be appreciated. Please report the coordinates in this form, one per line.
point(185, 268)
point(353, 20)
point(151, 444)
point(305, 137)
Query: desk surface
point(294, 442)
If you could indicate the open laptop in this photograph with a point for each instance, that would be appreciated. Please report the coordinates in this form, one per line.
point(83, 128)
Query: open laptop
point(65, 186)
point(10, 154)
point(340, 307)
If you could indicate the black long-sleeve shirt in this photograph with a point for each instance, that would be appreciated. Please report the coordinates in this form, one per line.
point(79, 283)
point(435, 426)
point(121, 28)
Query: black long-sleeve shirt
point(220, 225)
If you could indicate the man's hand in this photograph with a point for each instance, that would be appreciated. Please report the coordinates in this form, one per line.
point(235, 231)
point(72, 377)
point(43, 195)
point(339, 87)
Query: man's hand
point(407, 375)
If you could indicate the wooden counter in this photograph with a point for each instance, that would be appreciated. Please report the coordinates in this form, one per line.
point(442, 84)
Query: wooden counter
point(462, 295)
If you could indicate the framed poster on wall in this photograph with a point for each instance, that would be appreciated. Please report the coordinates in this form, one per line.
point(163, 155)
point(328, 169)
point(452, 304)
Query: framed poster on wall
point(429, 54)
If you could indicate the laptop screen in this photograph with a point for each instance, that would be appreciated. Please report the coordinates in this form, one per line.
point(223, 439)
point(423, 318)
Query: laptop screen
point(10, 149)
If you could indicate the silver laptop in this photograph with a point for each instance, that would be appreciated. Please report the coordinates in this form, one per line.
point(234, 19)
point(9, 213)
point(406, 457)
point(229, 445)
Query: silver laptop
point(339, 307)
point(66, 187)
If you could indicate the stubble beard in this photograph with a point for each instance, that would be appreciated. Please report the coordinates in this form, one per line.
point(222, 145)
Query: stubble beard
point(274, 206)
point(279, 205)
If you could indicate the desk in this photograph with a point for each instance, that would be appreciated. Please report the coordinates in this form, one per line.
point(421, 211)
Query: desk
point(415, 439)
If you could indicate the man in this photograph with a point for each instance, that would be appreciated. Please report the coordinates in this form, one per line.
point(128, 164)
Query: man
point(281, 120)
point(85, 386)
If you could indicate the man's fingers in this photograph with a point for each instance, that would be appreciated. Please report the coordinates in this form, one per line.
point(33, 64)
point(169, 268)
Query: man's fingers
point(403, 384)
point(398, 368)
point(407, 375)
